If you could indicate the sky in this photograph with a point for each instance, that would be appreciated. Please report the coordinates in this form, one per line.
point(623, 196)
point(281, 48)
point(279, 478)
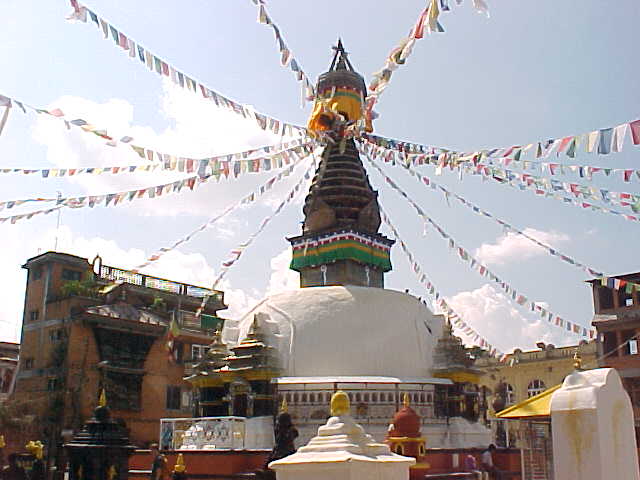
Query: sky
point(529, 72)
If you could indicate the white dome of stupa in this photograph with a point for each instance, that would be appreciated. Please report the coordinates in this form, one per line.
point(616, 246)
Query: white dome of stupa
point(345, 331)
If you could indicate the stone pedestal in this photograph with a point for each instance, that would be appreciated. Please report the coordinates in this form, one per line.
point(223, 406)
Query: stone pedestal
point(343, 451)
point(593, 428)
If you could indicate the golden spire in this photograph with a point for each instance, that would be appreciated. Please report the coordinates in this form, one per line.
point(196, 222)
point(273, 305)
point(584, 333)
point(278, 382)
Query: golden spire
point(112, 472)
point(577, 361)
point(180, 467)
point(340, 404)
point(405, 400)
point(102, 402)
point(2, 442)
point(284, 408)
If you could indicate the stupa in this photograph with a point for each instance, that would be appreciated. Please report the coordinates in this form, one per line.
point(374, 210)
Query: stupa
point(342, 330)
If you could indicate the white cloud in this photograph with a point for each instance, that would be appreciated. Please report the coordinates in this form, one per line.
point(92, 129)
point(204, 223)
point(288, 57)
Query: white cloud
point(492, 315)
point(511, 246)
point(282, 277)
point(197, 128)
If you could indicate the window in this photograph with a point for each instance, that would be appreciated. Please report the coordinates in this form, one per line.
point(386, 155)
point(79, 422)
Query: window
point(609, 342)
point(28, 363)
point(173, 398)
point(624, 299)
point(34, 315)
point(52, 384)
point(36, 273)
point(511, 395)
point(55, 335)
point(399, 449)
point(535, 387)
point(605, 297)
point(71, 275)
point(198, 352)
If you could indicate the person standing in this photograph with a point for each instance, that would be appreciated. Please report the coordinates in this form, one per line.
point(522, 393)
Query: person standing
point(159, 465)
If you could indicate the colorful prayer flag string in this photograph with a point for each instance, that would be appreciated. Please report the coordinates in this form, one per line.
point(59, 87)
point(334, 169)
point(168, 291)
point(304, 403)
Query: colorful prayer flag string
point(433, 291)
point(428, 20)
point(29, 215)
point(540, 185)
point(520, 299)
point(162, 68)
point(235, 254)
point(251, 198)
point(286, 56)
point(428, 182)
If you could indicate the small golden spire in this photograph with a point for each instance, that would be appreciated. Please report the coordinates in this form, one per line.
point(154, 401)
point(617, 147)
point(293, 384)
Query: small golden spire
point(102, 402)
point(2, 442)
point(577, 361)
point(405, 400)
point(284, 408)
point(180, 467)
point(340, 404)
point(112, 472)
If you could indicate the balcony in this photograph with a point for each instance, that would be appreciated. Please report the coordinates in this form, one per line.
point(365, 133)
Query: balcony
point(114, 274)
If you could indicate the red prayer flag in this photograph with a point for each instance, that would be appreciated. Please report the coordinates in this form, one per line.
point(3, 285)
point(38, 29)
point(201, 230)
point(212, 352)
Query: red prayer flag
point(635, 131)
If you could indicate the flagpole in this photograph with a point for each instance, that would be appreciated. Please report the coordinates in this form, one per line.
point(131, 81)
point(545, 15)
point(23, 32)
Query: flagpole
point(59, 198)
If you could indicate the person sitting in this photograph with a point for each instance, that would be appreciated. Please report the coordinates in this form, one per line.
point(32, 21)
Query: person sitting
point(13, 471)
point(159, 469)
point(471, 466)
point(487, 464)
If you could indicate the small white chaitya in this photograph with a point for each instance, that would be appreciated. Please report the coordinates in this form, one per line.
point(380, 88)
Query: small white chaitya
point(593, 428)
point(342, 450)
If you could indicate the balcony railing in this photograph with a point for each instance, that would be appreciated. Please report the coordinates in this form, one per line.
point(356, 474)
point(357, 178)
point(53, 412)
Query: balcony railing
point(119, 275)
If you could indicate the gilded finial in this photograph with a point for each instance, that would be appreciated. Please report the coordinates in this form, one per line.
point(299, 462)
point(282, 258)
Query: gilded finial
point(102, 402)
point(405, 400)
point(340, 404)
point(577, 361)
point(180, 467)
point(284, 408)
point(112, 472)
point(2, 442)
point(35, 448)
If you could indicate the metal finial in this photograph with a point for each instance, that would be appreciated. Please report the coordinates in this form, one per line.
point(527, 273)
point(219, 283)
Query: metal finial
point(577, 360)
point(102, 401)
point(405, 400)
point(340, 404)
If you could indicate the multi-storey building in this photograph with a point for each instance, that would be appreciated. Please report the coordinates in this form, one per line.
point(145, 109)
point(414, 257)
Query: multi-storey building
point(616, 302)
point(524, 374)
point(89, 326)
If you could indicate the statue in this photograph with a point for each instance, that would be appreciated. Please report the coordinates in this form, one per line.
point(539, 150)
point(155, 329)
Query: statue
point(285, 434)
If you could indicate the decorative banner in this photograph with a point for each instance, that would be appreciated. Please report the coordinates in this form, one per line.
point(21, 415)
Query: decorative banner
point(286, 56)
point(432, 290)
point(428, 20)
point(6, 103)
point(540, 185)
point(229, 164)
point(474, 264)
point(236, 253)
point(163, 69)
point(28, 216)
point(422, 179)
point(251, 198)
point(16, 203)
point(601, 142)
point(617, 284)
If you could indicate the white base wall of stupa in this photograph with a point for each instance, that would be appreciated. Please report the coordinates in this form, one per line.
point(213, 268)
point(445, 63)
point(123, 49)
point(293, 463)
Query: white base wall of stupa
point(459, 433)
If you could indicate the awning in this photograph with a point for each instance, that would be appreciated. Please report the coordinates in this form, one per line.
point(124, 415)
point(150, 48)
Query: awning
point(537, 406)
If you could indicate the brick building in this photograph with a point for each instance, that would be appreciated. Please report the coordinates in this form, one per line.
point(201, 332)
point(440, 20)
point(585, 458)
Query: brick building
point(88, 326)
point(616, 302)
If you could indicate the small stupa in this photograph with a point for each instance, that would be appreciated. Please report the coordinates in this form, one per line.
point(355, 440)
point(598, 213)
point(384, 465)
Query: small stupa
point(405, 438)
point(342, 450)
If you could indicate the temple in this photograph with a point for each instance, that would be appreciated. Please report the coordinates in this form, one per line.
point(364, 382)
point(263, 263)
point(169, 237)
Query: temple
point(342, 330)
point(340, 243)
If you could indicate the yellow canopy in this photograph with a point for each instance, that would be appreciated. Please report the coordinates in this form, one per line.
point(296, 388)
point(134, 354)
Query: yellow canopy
point(535, 407)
